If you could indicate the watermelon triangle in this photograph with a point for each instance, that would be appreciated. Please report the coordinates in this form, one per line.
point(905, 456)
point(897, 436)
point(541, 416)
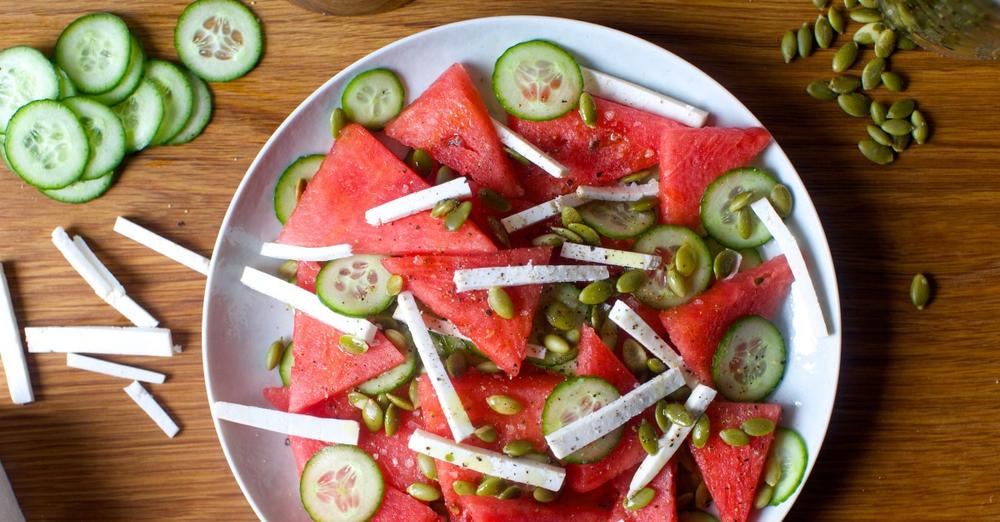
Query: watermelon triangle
point(623, 141)
point(596, 359)
point(359, 173)
point(628, 454)
point(504, 341)
point(732, 473)
point(450, 121)
point(690, 159)
point(696, 328)
point(663, 508)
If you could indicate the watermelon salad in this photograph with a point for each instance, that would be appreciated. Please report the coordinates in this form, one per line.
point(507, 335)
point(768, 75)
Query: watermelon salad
point(560, 316)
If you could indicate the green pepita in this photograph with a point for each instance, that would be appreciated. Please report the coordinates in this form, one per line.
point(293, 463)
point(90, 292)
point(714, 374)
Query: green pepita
point(757, 426)
point(850, 4)
point(463, 487)
point(676, 282)
point(455, 364)
point(488, 367)
point(680, 394)
point(901, 143)
point(854, 104)
point(893, 81)
point(504, 404)
point(868, 34)
point(686, 260)
point(573, 336)
point(781, 199)
point(655, 365)
point(726, 264)
point(394, 285)
point(744, 218)
point(901, 109)
point(570, 215)
point(920, 291)
point(845, 84)
point(678, 414)
point(837, 20)
point(871, 4)
point(804, 40)
point(641, 499)
point(865, 15)
point(510, 493)
point(352, 345)
point(921, 129)
point(643, 204)
point(372, 416)
point(288, 271)
point(885, 44)
point(763, 498)
point(734, 437)
point(494, 200)
point(338, 120)
point(588, 110)
point(845, 57)
point(357, 399)
point(878, 135)
point(518, 448)
point(516, 156)
point(702, 496)
point(661, 417)
point(400, 402)
point(898, 127)
point(634, 356)
point(905, 43)
point(820, 90)
point(499, 232)
point(556, 344)
point(647, 437)
point(490, 487)
point(739, 202)
point(642, 176)
point(419, 160)
point(871, 75)
point(788, 46)
point(567, 234)
point(273, 355)
point(588, 234)
point(552, 240)
point(701, 431)
point(820, 4)
point(414, 393)
point(444, 175)
point(877, 153)
point(423, 492)
point(598, 314)
point(878, 112)
point(772, 470)
point(538, 456)
point(382, 400)
point(544, 495)
point(500, 302)
point(596, 292)
point(824, 32)
point(486, 433)
point(456, 218)
point(560, 316)
point(392, 418)
point(630, 281)
point(426, 466)
point(609, 333)
point(443, 207)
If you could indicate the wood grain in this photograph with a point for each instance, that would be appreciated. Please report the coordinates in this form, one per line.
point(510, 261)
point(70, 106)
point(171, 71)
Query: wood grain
point(914, 431)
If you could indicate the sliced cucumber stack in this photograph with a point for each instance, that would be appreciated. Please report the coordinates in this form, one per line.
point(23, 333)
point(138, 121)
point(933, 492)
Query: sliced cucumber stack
point(46, 145)
point(341, 483)
point(292, 183)
point(790, 451)
point(575, 398)
point(726, 204)
point(537, 80)
point(178, 98)
point(373, 97)
point(105, 135)
point(201, 113)
point(354, 286)
point(669, 285)
point(66, 87)
point(750, 360)
point(130, 82)
point(94, 51)
point(141, 114)
point(615, 220)
point(219, 40)
point(25, 76)
point(82, 191)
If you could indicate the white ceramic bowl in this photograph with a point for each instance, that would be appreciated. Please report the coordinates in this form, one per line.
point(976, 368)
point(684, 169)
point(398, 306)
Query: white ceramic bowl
point(239, 323)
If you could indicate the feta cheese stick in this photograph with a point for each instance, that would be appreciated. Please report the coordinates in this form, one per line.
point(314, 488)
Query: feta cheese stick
point(631, 192)
point(107, 340)
point(420, 201)
point(609, 256)
point(81, 264)
point(639, 97)
point(446, 327)
point(335, 431)
point(118, 299)
point(152, 408)
point(300, 253)
point(10, 511)
point(116, 287)
point(15, 364)
point(540, 212)
point(162, 245)
point(484, 278)
point(530, 152)
point(633, 324)
point(122, 371)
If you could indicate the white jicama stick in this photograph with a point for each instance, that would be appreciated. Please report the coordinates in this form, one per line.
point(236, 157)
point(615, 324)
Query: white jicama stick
point(116, 287)
point(530, 152)
point(451, 403)
point(10, 511)
point(630, 192)
point(696, 404)
point(335, 431)
point(540, 212)
point(152, 408)
point(307, 303)
point(796, 262)
point(483, 278)
point(300, 253)
point(609, 256)
point(117, 299)
point(417, 202)
point(446, 327)
point(15, 365)
point(107, 340)
point(521, 470)
point(639, 97)
point(81, 264)
point(122, 371)
point(633, 324)
point(613, 415)
point(162, 245)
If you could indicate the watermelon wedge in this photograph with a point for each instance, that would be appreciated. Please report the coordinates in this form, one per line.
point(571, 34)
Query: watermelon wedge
point(733, 473)
point(504, 341)
point(360, 173)
point(663, 508)
point(278, 396)
point(451, 122)
point(624, 140)
point(690, 159)
point(696, 328)
point(627, 455)
point(596, 359)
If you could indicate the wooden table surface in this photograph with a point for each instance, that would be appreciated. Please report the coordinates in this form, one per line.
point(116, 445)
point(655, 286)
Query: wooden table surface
point(914, 432)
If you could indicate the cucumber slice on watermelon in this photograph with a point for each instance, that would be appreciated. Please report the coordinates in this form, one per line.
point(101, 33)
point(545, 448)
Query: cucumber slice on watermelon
point(393, 378)
point(201, 113)
point(25, 76)
point(373, 97)
point(105, 134)
point(537, 80)
point(292, 183)
point(613, 219)
point(94, 50)
point(750, 360)
point(285, 366)
point(141, 113)
point(82, 191)
point(575, 398)
point(790, 450)
point(341, 483)
point(178, 98)
point(46, 145)
point(219, 40)
point(130, 82)
point(665, 240)
point(354, 286)
point(720, 222)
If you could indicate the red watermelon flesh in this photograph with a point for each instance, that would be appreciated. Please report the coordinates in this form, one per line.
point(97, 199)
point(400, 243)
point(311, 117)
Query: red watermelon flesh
point(648, 314)
point(732, 473)
point(278, 396)
point(306, 274)
point(360, 173)
point(690, 159)
point(624, 140)
point(627, 455)
point(450, 121)
point(663, 508)
point(504, 341)
point(596, 359)
point(697, 327)
point(398, 506)
point(448, 474)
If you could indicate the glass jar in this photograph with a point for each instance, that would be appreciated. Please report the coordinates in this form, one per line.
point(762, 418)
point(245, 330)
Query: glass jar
point(959, 28)
point(349, 7)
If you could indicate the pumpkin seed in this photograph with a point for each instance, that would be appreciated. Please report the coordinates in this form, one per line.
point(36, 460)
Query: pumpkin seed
point(494, 200)
point(739, 202)
point(288, 271)
point(588, 110)
point(643, 204)
point(920, 291)
point(423, 492)
point(357, 399)
point(394, 285)
point(871, 4)
point(868, 34)
point(609, 333)
point(516, 156)
point(588, 234)
point(788, 46)
point(538, 457)
point(734, 437)
point(854, 104)
point(486, 433)
point(683, 501)
point(504, 404)
point(641, 176)
point(443, 207)
point(921, 129)
point(400, 402)
point(372, 416)
point(680, 394)
point(837, 20)
point(352, 345)
point(391, 420)
point(273, 356)
point(556, 344)
point(490, 487)
point(901, 143)
point(686, 260)
point(510, 493)
point(902, 108)
point(630, 281)
point(804, 40)
point(456, 218)
point(655, 365)
point(878, 135)
point(544, 495)
point(676, 282)
point(641, 499)
point(781, 199)
point(702, 496)
point(757, 426)
point(885, 44)
point(567, 234)
point(488, 367)
point(744, 219)
point(845, 57)
point(877, 153)
point(678, 414)
point(338, 120)
point(426, 466)
point(596, 292)
point(499, 301)
point(701, 431)
point(661, 417)
point(598, 315)
point(463, 487)
point(420, 161)
point(455, 364)
point(905, 43)
point(634, 356)
point(444, 175)
point(878, 112)
point(824, 32)
point(820, 90)
point(414, 393)
point(893, 81)
point(572, 336)
point(382, 400)
point(772, 470)
point(763, 498)
point(518, 448)
point(871, 75)
point(552, 240)
point(560, 316)
point(499, 232)
point(865, 15)
point(845, 84)
point(571, 215)
point(647, 437)
point(898, 127)
point(820, 4)
point(726, 264)
point(850, 4)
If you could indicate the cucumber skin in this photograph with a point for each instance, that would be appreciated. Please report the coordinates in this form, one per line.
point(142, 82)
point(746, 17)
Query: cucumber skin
point(285, 366)
point(107, 181)
point(133, 76)
point(286, 177)
point(779, 440)
point(718, 369)
point(199, 120)
point(170, 103)
point(506, 104)
point(372, 387)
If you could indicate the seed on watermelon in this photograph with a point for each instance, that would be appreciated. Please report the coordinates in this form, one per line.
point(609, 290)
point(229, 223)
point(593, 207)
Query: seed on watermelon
point(504, 404)
point(394, 285)
point(757, 426)
point(701, 431)
point(641, 499)
point(630, 281)
point(427, 466)
point(420, 161)
point(352, 345)
point(596, 292)
point(638, 177)
point(423, 492)
point(490, 487)
point(500, 302)
point(570, 215)
point(544, 495)
point(400, 402)
point(456, 218)
point(414, 393)
point(734, 437)
point(510, 493)
point(516, 156)
point(486, 433)
point(518, 448)
point(391, 421)
point(372, 416)
point(444, 175)
point(463, 487)
point(702, 496)
point(647, 437)
point(763, 498)
point(588, 110)
point(634, 356)
point(494, 200)
point(288, 271)
point(443, 207)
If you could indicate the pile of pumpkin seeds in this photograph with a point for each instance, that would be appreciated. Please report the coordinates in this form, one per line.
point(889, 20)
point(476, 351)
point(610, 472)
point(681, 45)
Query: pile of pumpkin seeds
point(892, 128)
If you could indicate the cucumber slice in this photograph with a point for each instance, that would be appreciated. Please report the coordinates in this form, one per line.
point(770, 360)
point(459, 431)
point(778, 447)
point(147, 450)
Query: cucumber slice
point(575, 398)
point(392, 379)
point(25, 76)
point(105, 134)
point(141, 114)
point(751, 257)
point(790, 450)
point(285, 366)
point(3, 151)
point(94, 51)
point(201, 114)
point(341, 484)
point(664, 241)
point(292, 183)
point(354, 286)
point(178, 98)
point(66, 87)
point(537, 80)
point(128, 84)
point(82, 191)
point(553, 359)
point(750, 360)
point(568, 369)
point(373, 97)
point(613, 219)
point(219, 40)
point(46, 145)
point(720, 223)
